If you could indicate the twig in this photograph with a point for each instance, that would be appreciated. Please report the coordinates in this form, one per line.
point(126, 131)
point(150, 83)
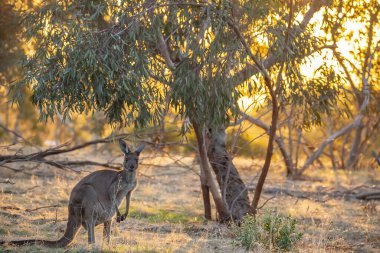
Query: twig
point(17, 135)
point(42, 207)
point(266, 201)
point(65, 164)
point(10, 208)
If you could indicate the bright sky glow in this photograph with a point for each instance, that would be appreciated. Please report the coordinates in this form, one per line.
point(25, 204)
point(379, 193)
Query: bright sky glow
point(347, 46)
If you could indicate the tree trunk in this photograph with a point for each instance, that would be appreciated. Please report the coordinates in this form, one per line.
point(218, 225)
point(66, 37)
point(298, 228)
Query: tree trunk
point(268, 157)
point(234, 192)
point(223, 212)
point(206, 196)
point(355, 148)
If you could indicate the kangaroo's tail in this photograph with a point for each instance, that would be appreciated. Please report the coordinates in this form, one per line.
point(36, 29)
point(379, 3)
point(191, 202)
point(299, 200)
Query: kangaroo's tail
point(71, 230)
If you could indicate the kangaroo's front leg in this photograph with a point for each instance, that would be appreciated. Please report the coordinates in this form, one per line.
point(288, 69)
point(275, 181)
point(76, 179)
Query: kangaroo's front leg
point(119, 217)
point(127, 201)
point(112, 192)
point(118, 214)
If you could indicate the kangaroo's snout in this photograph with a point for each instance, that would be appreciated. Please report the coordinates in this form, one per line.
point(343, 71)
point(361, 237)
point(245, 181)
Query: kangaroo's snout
point(131, 168)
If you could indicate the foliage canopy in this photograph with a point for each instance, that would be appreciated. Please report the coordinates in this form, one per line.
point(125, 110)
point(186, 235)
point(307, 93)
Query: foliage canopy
point(126, 57)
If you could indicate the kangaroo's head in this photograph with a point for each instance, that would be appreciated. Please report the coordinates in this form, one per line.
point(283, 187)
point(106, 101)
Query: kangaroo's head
point(131, 159)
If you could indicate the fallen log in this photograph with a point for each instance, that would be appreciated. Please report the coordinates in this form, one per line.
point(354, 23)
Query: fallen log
point(368, 196)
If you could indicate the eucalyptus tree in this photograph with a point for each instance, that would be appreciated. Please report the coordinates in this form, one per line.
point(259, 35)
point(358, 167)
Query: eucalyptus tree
point(360, 67)
point(128, 58)
point(351, 28)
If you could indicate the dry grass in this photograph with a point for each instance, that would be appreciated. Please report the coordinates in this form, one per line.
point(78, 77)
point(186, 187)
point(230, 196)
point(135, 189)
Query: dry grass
point(166, 214)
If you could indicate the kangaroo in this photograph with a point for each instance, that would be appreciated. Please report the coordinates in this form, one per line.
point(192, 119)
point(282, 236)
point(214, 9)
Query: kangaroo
point(95, 200)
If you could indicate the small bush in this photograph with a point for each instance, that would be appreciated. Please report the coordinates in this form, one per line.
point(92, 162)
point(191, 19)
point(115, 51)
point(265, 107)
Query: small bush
point(271, 230)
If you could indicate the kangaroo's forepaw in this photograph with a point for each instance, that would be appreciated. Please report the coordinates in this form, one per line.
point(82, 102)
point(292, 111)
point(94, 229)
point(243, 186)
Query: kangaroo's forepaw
point(120, 218)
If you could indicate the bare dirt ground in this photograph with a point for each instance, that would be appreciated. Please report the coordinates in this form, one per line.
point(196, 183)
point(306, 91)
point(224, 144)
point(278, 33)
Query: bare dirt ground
point(166, 208)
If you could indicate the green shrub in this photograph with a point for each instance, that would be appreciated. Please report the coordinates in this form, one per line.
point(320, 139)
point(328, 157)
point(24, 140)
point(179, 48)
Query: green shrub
point(271, 230)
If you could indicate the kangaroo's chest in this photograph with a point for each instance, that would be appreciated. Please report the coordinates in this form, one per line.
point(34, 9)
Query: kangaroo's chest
point(123, 185)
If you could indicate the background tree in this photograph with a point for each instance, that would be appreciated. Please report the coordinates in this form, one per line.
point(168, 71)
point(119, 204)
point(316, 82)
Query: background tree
point(358, 66)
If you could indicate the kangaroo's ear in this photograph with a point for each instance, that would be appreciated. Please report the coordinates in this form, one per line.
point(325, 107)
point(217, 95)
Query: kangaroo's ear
point(140, 148)
point(123, 146)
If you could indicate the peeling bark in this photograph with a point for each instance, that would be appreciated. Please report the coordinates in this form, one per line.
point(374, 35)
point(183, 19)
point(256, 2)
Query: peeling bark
point(234, 192)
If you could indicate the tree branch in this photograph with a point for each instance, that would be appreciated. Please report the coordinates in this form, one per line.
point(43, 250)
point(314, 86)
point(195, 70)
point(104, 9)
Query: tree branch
point(250, 70)
point(16, 134)
point(56, 150)
point(39, 157)
point(330, 139)
point(280, 142)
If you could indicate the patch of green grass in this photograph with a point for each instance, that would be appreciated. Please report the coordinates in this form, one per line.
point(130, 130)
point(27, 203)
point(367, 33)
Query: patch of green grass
point(271, 230)
point(89, 249)
point(161, 215)
point(3, 231)
point(138, 214)
point(22, 233)
point(32, 249)
point(167, 216)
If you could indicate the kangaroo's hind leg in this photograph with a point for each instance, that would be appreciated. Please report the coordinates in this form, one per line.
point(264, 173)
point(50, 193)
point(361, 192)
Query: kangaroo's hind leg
point(107, 232)
point(90, 211)
point(91, 233)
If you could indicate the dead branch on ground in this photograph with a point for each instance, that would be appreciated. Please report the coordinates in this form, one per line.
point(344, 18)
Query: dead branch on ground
point(7, 181)
point(369, 196)
point(321, 196)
